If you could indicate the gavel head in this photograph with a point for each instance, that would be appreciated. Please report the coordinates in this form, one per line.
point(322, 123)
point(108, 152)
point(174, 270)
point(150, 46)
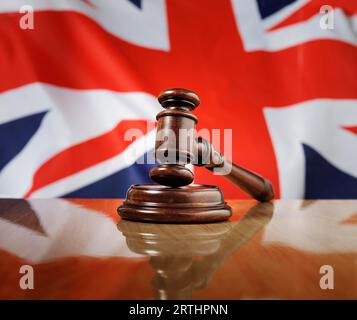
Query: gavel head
point(175, 137)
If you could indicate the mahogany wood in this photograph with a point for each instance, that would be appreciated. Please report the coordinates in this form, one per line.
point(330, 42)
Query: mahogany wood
point(174, 200)
point(172, 175)
point(189, 204)
point(178, 116)
point(252, 183)
point(172, 122)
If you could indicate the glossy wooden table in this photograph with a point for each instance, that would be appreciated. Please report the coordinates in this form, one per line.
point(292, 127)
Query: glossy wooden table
point(80, 250)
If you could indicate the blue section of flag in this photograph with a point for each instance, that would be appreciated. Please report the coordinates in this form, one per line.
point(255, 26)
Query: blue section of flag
point(269, 7)
point(325, 181)
point(136, 3)
point(115, 185)
point(14, 135)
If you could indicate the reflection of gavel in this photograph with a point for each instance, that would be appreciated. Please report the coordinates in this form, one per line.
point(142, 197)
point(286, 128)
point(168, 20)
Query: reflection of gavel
point(185, 257)
point(177, 146)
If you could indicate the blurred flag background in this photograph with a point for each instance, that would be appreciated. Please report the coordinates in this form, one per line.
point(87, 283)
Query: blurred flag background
point(282, 74)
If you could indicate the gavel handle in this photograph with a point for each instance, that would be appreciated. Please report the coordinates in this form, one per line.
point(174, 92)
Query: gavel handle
point(252, 183)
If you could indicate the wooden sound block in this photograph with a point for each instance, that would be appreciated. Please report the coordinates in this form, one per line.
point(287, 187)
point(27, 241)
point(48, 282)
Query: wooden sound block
point(189, 204)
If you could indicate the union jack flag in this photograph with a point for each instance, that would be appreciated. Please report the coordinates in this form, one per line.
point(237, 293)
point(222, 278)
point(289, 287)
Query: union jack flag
point(91, 69)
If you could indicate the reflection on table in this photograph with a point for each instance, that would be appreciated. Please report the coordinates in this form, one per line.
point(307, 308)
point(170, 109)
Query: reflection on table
point(264, 252)
point(184, 257)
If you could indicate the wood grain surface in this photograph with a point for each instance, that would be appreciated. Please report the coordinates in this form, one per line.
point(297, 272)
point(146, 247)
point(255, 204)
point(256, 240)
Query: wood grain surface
point(79, 249)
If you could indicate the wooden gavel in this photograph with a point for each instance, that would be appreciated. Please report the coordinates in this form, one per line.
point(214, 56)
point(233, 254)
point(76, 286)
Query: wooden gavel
point(176, 146)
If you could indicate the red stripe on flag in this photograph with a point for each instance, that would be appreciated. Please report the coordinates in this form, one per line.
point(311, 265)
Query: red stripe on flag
point(85, 154)
point(351, 129)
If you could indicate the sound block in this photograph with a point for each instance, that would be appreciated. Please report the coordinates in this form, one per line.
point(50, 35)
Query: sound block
point(189, 204)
